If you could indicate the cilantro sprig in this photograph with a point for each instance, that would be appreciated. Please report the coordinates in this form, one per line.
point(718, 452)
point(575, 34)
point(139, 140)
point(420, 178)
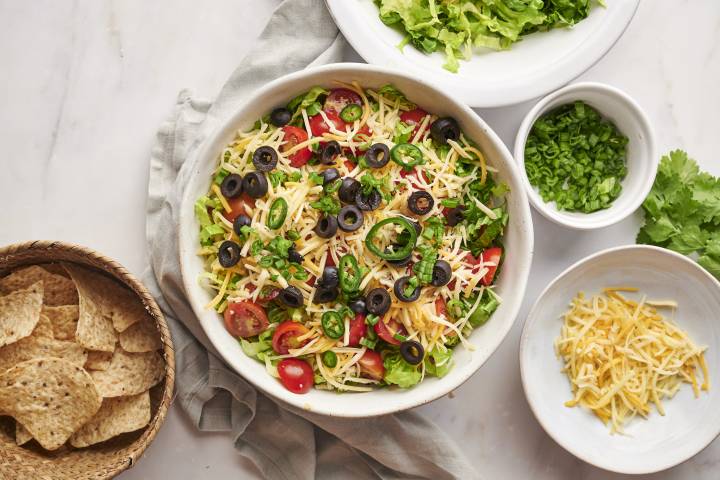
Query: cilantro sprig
point(682, 211)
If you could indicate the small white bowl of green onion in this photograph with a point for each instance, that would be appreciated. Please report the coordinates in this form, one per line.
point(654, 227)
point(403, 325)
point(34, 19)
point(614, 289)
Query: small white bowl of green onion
point(587, 156)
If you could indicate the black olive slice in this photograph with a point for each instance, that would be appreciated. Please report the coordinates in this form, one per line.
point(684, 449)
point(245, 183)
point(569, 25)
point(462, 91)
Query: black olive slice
point(326, 227)
point(455, 215)
point(228, 253)
point(291, 296)
point(280, 117)
point(329, 152)
point(441, 273)
point(265, 159)
point(232, 186)
point(412, 351)
point(329, 277)
point(325, 294)
point(377, 156)
point(358, 305)
point(368, 202)
point(399, 289)
point(444, 129)
point(241, 220)
point(377, 301)
point(420, 202)
point(255, 184)
point(348, 189)
point(294, 256)
point(330, 175)
point(350, 218)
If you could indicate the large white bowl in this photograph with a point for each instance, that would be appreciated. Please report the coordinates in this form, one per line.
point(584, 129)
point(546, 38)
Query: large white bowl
point(511, 284)
point(650, 445)
point(642, 160)
point(538, 64)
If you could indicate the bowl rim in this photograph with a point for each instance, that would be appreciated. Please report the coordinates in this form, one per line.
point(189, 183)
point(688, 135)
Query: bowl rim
point(205, 151)
point(651, 160)
point(526, 334)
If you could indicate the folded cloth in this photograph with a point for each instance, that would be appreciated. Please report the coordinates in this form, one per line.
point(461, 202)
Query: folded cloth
point(283, 442)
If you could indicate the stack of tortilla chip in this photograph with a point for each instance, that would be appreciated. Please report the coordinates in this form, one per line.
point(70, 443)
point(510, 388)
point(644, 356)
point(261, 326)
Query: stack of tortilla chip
point(78, 356)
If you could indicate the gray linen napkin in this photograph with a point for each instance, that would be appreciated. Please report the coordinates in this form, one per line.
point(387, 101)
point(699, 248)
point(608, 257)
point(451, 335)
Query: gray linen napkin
point(283, 442)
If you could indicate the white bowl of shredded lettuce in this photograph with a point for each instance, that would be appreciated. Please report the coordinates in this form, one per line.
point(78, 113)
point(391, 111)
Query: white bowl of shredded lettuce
point(509, 285)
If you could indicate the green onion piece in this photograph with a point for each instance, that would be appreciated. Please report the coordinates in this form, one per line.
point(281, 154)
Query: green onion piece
point(400, 338)
point(372, 319)
point(368, 343)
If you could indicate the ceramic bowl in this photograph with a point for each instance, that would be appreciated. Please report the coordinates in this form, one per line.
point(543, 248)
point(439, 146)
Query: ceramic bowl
point(511, 283)
point(642, 161)
point(650, 445)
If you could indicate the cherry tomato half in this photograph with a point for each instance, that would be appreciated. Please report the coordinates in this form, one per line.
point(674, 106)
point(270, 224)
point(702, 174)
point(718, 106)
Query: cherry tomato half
point(413, 117)
point(386, 331)
point(357, 330)
point(295, 136)
point(491, 255)
point(296, 375)
point(318, 125)
point(267, 295)
point(371, 364)
point(286, 337)
point(245, 319)
point(239, 206)
point(340, 98)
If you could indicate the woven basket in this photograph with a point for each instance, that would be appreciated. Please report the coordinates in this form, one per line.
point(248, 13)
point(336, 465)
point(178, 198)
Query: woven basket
point(109, 458)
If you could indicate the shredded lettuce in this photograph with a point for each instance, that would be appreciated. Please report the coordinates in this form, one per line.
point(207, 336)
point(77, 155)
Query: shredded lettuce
point(399, 372)
point(457, 27)
point(256, 348)
point(308, 100)
point(438, 362)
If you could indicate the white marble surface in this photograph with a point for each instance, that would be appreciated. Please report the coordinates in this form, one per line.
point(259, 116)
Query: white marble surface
point(84, 85)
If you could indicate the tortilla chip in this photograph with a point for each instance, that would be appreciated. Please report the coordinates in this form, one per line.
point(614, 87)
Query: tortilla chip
point(64, 320)
point(129, 374)
point(22, 436)
point(19, 313)
point(58, 289)
point(94, 329)
point(116, 415)
point(98, 360)
point(41, 343)
point(143, 336)
point(51, 397)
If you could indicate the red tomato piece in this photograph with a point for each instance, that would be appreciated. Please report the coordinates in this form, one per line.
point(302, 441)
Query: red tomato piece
point(245, 319)
point(340, 98)
point(440, 307)
point(371, 364)
point(413, 117)
point(412, 176)
point(286, 337)
point(294, 136)
point(357, 330)
point(491, 255)
point(239, 206)
point(318, 125)
point(267, 295)
point(296, 375)
point(386, 331)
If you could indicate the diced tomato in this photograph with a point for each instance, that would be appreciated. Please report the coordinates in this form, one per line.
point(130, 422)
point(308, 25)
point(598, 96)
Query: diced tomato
point(357, 330)
point(296, 375)
point(440, 307)
point(491, 255)
point(267, 295)
point(245, 319)
point(286, 337)
point(413, 117)
point(239, 206)
point(386, 331)
point(349, 165)
point(318, 125)
point(294, 136)
point(371, 364)
point(340, 98)
point(412, 176)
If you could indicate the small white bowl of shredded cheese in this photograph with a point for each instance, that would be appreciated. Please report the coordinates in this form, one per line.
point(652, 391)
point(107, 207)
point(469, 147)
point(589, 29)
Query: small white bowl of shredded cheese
point(629, 335)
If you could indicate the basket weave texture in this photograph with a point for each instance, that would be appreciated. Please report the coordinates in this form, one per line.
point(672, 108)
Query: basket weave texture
point(109, 458)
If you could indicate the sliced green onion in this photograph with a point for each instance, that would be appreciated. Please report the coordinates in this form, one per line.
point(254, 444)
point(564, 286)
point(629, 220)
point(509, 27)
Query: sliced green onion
point(372, 320)
point(368, 343)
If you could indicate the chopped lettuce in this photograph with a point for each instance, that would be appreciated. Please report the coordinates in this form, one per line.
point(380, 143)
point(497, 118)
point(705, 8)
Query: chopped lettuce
point(438, 362)
point(399, 372)
point(256, 348)
point(488, 304)
point(391, 93)
point(457, 27)
point(308, 100)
